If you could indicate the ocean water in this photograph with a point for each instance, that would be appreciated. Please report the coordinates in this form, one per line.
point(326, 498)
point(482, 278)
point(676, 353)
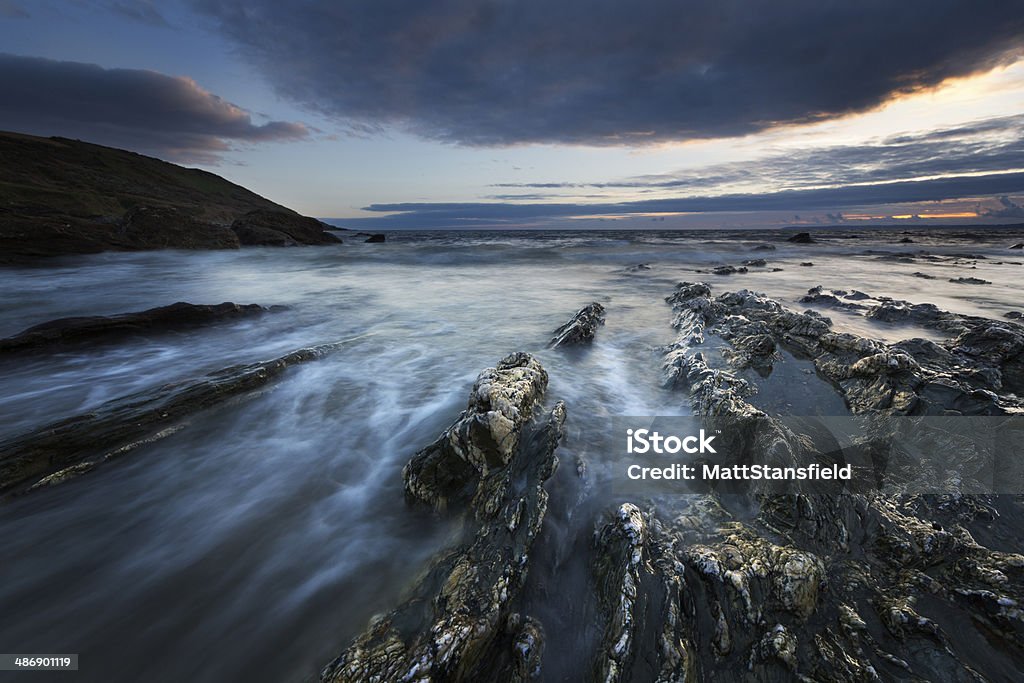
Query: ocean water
point(258, 541)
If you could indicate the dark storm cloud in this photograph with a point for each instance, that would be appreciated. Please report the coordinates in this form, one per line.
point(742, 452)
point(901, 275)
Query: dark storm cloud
point(493, 72)
point(988, 146)
point(454, 215)
point(145, 111)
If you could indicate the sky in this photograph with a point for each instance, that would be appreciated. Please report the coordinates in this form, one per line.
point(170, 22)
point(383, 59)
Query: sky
point(548, 113)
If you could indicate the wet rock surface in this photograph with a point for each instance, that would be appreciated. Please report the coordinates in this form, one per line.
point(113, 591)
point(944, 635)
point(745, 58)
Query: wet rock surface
point(460, 622)
point(840, 587)
point(758, 585)
point(581, 328)
point(728, 270)
point(63, 450)
point(485, 436)
point(974, 372)
point(68, 331)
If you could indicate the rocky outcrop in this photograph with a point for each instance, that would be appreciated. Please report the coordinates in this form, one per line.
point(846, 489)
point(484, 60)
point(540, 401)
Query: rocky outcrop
point(969, 281)
point(801, 238)
point(62, 450)
point(376, 238)
point(485, 436)
point(581, 328)
point(460, 623)
point(728, 270)
point(889, 310)
point(86, 329)
point(26, 238)
point(844, 587)
point(156, 227)
point(60, 196)
point(975, 372)
point(267, 227)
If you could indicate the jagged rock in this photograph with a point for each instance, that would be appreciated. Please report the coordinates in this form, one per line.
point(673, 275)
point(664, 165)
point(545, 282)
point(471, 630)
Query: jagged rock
point(638, 267)
point(581, 328)
point(153, 227)
point(624, 577)
point(820, 587)
point(460, 623)
point(838, 298)
point(807, 264)
point(801, 238)
point(756, 263)
point(376, 238)
point(1013, 315)
point(64, 449)
point(923, 275)
point(484, 437)
point(906, 240)
point(971, 379)
point(276, 228)
point(76, 330)
point(728, 270)
point(885, 309)
point(970, 281)
point(527, 647)
point(1019, 245)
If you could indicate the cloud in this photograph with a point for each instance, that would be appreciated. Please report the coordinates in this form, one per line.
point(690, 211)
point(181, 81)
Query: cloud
point(146, 111)
point(486, 72)
point(1009, 209)
point(988, 146)
point(497, 214)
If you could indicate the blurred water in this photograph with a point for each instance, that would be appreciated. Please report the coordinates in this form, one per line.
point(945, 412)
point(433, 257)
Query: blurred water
point(255, 543)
